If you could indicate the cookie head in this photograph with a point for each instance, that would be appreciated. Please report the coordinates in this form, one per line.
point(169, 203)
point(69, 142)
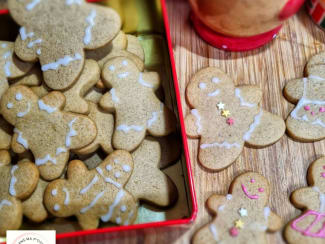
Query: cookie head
point(17, 103)
point(252, 187)
point(316, 174)
point(208, 87)
point(118, 71)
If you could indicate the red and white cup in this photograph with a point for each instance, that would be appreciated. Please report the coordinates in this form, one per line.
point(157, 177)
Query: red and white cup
point(241, 25)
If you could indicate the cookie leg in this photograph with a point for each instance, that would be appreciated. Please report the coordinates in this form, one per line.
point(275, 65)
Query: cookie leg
point(208, 234)
point(88, 222)
point(50, 167)
point(128, 136)
point(11, 215)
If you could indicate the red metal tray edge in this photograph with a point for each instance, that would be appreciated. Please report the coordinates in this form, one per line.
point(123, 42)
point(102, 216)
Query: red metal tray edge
point(185, 147)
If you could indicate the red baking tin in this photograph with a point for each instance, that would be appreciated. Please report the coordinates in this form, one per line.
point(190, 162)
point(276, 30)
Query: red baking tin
point(113, 232)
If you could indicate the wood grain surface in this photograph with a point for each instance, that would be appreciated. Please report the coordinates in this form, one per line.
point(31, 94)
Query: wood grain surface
point(286, 162)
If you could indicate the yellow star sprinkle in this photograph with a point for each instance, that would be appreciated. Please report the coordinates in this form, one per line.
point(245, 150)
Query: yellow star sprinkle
point(239, 224)
point(225, 113)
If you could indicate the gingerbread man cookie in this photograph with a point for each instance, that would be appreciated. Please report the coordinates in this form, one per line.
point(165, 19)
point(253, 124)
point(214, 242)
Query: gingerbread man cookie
point(307, 121)
point(10, 66)
point(42, 127)
point(148, 182)
point(94, 194)
point(226, 117)
point(132, 98)
point(56, 32)
point(17, 182)
point(242, 216)
point(309, 227)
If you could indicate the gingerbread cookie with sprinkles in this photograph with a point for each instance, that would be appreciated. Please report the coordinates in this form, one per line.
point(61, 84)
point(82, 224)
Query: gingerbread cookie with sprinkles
point(10, 66)
point(225, 117)
point(42, 126)
point(306, 122)
point(17, 182)
point(133, 100)
point(56, 32)
point(242, 216)
point(309, 226)
point(93, 195)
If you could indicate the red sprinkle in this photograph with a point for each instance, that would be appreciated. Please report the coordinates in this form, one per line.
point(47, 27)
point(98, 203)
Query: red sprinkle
point(230, 121)
point(234, 232)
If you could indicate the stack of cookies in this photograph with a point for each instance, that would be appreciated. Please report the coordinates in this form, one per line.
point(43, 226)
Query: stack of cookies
point(77, 108)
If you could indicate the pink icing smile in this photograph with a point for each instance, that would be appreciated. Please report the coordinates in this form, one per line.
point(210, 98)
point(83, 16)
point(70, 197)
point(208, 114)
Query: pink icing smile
point(247, 194)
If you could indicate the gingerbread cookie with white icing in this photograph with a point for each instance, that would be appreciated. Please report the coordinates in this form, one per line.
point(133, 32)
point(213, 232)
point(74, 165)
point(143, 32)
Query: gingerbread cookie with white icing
point(242, 216)
point(10, 66)
point(306, 122)
point(42, 126)
point(225, 117)
point(133, 100)
point(309, 227)
point(93, 195)
point(17, 182)
point(56, 32)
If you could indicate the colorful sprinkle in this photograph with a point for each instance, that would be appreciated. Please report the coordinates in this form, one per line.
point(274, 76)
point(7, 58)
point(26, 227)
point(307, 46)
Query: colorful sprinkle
point(312, 113)
point(323, 175)
point(322, 109)
point(225, 113)
point(239, 224)
point(252, 181)
point(233, 232)
point(221, 106)
point(307, 108)
point(242, 212)
point(230, 121)
point(261, 189)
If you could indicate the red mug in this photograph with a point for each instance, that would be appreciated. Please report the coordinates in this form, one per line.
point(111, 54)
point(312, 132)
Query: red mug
point(240, 25)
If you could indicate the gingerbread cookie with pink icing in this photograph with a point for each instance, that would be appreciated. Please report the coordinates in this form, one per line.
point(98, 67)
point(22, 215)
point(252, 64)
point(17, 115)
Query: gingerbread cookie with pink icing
point(132, 98)
point(306, 122)
point(242, 216)
point(93, 195)
point(17, 182)
point(225, 117)
point(42, 127)
point(56, 32)
point(309, 227)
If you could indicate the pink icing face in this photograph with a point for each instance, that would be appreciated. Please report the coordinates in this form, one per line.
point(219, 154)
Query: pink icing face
point(247, 194)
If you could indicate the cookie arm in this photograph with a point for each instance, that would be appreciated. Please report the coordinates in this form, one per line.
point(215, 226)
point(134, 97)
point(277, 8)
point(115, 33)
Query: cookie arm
point(192, 124)
point(274, 223)
point(302, 197)
point(214, 202)
point(294, 90)
point(107, 103)
point(16, 146)
point(265, 130)
point(249, 94)
point(54, 99)
point(150, 79)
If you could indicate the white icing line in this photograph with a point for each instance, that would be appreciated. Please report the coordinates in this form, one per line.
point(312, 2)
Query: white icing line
point(93, 202)
point(242, 100)
point(321, 199)
point(114, 97)
point(6, 55)
point(144, 83)
point(5, 202)
point(123, 208)
point(319, 122)
point(85, 189)
point(214, 232)
point(252, 127)
point(91, 22)
point(71, 133)
point(266, 213)
point(42, 161)
point(118, 220)
point(32, 4)
point(196, 114)
point(32, 43)
point(38, 51)
point(24, 35)
point(129, 218)
point(214, 93)
point(70, 2)
point(7, 68)
point(107, 179)
point(13, 181)
point(127, 128)
point(225, 144)
point(22, 114)
point(61, 61)
point(45, 107)
point(67, 196)
point(315, 77)
point(123, 75)
point(20, 138)
point(111, 208)
point(60, 150)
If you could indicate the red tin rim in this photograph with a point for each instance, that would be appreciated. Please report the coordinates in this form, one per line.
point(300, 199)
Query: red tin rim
point(166, 223)
point(229, 43)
